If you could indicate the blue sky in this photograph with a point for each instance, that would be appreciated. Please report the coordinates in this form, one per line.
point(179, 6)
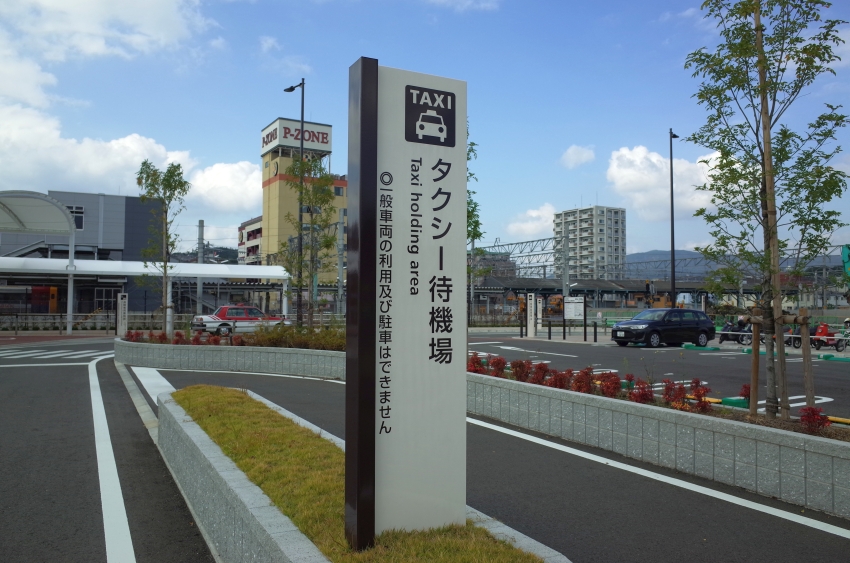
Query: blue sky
point(569, 102)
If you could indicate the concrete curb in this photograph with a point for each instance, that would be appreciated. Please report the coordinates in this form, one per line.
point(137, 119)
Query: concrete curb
point(804, 470)
point(323, 364)
point(237, 518)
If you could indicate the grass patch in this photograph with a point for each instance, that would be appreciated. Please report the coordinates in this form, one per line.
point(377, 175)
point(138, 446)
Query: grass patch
point(304, 475)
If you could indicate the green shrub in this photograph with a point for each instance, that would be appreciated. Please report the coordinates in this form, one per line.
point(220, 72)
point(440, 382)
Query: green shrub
point(281, 336)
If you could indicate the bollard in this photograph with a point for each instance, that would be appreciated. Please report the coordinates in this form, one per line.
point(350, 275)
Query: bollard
point(550, 329)
point(565, 330)
point(585, 330)
point(594, 331)
point(520, 328)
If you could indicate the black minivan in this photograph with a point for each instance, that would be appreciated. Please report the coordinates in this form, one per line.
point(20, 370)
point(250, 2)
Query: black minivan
point(669, 326)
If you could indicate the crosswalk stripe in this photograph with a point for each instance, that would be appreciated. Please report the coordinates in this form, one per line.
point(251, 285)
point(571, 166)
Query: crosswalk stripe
point(24, 354)
point(84, 353)
point(53, 354)
point(17, 351)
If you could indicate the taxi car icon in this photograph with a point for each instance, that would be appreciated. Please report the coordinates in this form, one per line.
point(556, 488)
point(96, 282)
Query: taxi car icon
point(431, 124)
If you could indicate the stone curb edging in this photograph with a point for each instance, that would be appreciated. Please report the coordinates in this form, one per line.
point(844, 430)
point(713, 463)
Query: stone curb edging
point(235, 515)
point(323, 364)
point(804, 470)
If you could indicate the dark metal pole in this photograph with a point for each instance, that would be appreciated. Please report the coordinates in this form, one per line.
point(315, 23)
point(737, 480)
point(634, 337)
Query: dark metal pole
point(672, 228)
point(550, 329)
point(298, 316)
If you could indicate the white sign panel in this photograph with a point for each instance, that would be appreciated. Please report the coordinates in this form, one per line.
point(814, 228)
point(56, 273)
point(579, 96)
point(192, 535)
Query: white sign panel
point(530, 327)
point(123, 310)
point(420, 418)
point(287, 133)
point(574, 308)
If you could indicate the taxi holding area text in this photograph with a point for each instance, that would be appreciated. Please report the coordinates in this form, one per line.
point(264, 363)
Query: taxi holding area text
point(235, 318)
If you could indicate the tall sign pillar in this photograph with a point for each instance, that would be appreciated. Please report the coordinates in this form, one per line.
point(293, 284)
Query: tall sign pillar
point(406, 311)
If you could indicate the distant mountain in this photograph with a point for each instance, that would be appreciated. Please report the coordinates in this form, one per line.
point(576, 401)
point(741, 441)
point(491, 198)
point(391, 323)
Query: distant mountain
point(652, 255)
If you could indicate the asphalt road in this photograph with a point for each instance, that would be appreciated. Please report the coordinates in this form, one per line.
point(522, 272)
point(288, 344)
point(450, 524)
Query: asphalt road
point(724, 371)
point(587, 510)
point(51, 502)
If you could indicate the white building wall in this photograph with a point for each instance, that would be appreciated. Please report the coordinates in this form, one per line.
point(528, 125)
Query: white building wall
point(595, 238)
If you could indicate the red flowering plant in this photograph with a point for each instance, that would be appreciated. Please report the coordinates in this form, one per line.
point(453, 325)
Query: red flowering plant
point(214, 340)
point(521, 369)
point(237, 340)
point(699, 392)
point(642, 393)
point(162, 338)
point(474, 364)
point(674, 395)
point(608, 384)
point(745, 391)
point(196, 340)
point(559, 379)
point(538, 375)
point(813, 420)
point(583, 381)
point(497, 365)
point(179, 338)
point(630, 381)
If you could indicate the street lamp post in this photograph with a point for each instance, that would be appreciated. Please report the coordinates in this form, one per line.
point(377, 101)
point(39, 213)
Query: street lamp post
point(298, 315)
point(672, 228)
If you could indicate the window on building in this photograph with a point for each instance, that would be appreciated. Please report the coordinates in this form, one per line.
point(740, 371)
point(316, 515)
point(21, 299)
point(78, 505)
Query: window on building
point(602, 212)
point(338, 191)
point(77, 212)
point(602, 221)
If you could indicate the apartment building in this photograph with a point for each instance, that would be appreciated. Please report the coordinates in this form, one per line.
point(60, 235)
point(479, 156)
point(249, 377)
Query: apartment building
point(593, 241)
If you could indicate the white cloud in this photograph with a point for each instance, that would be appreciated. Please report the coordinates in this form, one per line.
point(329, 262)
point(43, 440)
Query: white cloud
point(218, 43)
point(21, 79)
point(575, 156)
point(233, 187)
point(268, 43)
point(533, 222)
point(643, 179)
point(57, 29)
point(463, 5)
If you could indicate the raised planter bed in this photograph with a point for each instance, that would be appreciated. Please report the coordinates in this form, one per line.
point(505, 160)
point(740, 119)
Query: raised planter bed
point(291, 361)
point(805, 470)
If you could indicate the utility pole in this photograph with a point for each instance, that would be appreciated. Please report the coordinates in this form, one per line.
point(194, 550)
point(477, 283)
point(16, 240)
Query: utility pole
point(200, 293)
point(472, 282)
point(672, 228)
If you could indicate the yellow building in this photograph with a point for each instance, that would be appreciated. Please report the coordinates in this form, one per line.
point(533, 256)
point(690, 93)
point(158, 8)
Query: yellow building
point(280, 144)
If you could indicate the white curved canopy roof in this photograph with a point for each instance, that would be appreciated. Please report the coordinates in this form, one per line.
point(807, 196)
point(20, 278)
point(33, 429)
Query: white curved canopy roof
point(33, 213)
point(115, 268)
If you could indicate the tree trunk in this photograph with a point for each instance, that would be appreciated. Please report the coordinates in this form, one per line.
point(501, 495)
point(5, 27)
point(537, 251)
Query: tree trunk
point(165, 269)
point(773, 326)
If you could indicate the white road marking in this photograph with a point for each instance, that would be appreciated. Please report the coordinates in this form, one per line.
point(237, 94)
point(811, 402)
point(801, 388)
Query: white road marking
point(45, 365)
point(19, 354)
point(824, 527)
point(56, 353)
point(537, 352)
point(116, 529)
point(16, 351)
point(153, 382)
point(801, 403)
point(483, 343)
point(84, 353)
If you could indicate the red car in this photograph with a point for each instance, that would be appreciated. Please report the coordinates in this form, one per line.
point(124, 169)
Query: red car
point(235, 318)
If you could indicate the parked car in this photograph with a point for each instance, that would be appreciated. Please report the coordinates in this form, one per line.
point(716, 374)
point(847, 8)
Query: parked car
point(235, 318)
point(665, 326)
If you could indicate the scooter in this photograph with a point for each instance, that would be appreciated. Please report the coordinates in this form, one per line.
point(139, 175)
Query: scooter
point(746, 337)
point(824, 337)
point(725, 332)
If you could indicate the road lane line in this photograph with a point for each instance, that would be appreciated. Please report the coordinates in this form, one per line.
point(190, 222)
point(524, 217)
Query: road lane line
point(84, 353)
point(257, 373)
point(483, 343)
point(55, 353)
point(42, 365)
point(824, 527)
point(116, 529)
point(153, 382)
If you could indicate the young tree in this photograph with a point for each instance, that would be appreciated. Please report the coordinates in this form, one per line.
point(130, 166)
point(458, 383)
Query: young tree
point(318, 227)
point(168, 191)
point(770, 184)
